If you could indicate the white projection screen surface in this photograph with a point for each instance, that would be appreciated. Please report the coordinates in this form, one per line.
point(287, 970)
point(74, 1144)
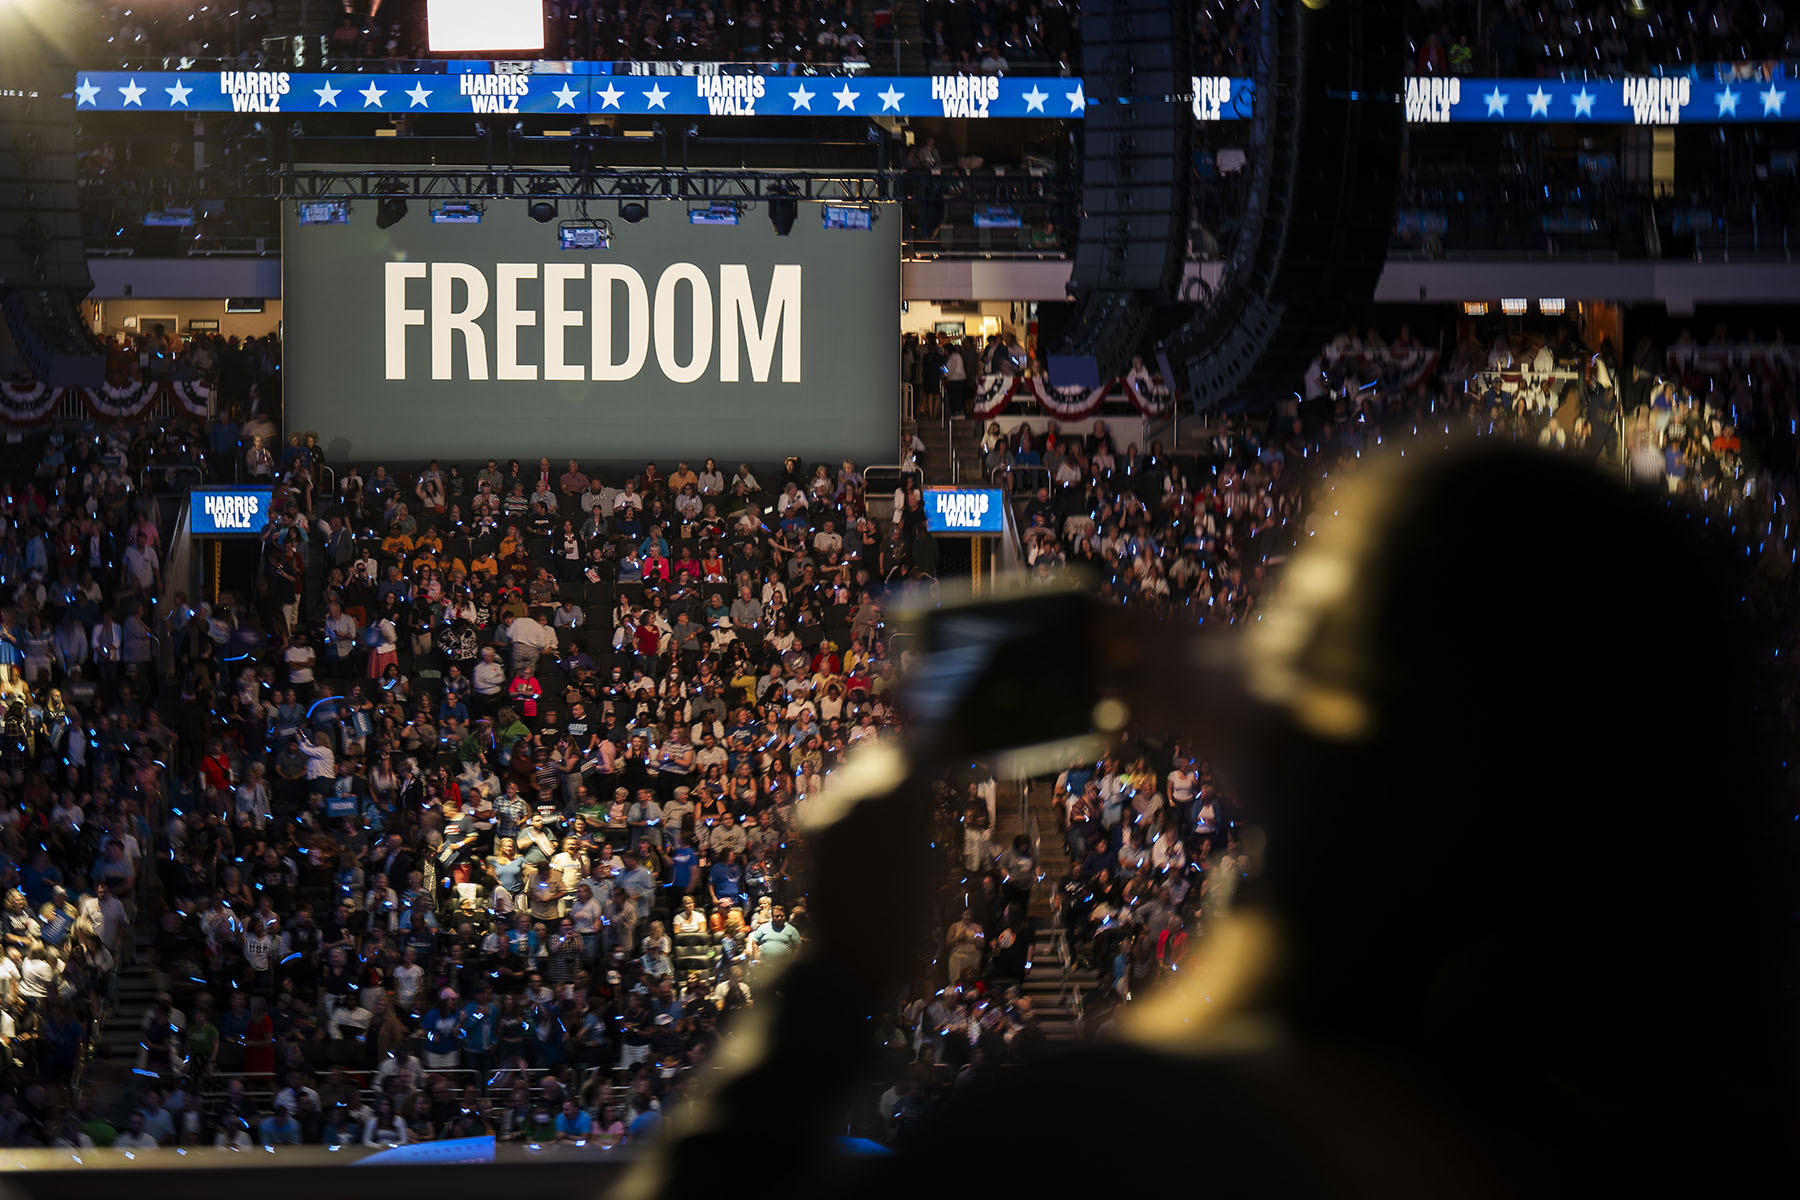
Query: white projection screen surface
point(471, 340)
point(462, 25)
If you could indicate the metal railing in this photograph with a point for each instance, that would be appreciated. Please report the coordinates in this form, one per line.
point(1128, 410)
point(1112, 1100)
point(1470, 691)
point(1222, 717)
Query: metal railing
point(228, 246)
point(259, 1085)
point(1068, 992)
point(1169, 423)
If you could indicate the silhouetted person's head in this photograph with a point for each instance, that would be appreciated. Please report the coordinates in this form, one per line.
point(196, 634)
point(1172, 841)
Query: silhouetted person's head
point(1517, 806)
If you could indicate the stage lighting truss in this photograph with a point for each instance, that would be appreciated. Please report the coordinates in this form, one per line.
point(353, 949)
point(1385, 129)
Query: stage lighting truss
point(700, 188)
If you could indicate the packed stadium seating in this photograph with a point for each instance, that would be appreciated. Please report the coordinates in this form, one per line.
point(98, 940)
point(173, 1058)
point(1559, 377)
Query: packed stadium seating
point(470, 797)
point(1452, 36)
point(426, 807)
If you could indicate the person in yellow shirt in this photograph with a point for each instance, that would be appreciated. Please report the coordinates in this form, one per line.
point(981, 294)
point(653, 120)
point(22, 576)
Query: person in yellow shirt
point(512, 599)
point(396, 543)
point(744, 682)
point(485, 564)
point(512, 549)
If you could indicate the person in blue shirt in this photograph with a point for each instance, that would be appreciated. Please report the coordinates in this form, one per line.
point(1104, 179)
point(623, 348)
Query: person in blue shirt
point(480, 1025)
point(739, 749)
point(451, 706)
point(571, 1123)
point(57, 917)
point(37, 877)
point(645, 1119)
point(1079, 775)
point(684, 860)
point(508, 868)
point(727, 879)
point(290, 714)
point(280, 1129)
point(443, 1033)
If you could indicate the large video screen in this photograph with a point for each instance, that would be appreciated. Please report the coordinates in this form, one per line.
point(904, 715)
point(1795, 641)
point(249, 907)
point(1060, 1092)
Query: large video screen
point(455, 26)
point(475, 340)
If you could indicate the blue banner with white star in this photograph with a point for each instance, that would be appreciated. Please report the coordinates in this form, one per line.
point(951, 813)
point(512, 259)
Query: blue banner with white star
point(1429, 100)
point(968, 96)
point(1633, 100)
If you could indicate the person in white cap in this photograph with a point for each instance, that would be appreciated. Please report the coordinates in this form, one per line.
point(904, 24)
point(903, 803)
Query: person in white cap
point(443, 1033)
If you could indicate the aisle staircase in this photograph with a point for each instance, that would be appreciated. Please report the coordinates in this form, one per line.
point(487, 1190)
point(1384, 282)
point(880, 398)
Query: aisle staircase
point(912, 45)
point(940, 438)
point(113, 1056)
point(1055, 984)
point(133, 994)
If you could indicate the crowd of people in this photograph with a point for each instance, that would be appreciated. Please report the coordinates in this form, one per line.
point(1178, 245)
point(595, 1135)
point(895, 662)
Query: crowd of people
point(799, 33)
point(1501, 37)
point(475, 809)
point(1512, 37)
point(991, 37)
point(489, 777)
point(1509, 38)
point(1199, 539)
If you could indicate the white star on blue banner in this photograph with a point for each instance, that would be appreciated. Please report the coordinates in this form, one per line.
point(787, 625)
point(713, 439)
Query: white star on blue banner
point(585, 88)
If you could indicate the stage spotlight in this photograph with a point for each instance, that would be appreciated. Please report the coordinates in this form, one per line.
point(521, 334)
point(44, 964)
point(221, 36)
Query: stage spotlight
point(389, 212)
point(542, 211)
point(633, 211)
point(783, 208)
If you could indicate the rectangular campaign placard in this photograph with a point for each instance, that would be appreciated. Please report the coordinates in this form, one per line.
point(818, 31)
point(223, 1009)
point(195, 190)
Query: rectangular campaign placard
point(964, 510)
point(226, 511)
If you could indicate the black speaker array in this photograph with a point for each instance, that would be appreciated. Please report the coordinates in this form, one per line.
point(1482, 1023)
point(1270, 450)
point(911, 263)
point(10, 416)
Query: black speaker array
point(1133, 231)
point(43, 261)
point(1325, 156)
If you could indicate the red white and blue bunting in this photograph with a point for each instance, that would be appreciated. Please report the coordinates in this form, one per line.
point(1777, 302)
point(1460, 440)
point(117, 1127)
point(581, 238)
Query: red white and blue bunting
point(121, 400)
point(194, 397)
point(992, 394)
point(995, 393)
point(1398, 370)
point(34, 403)
point(25, 404)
